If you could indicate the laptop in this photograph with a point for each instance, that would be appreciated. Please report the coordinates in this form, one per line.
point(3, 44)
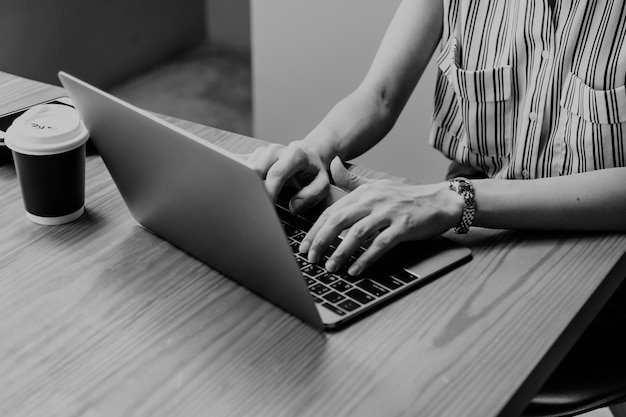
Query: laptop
point(211, 204)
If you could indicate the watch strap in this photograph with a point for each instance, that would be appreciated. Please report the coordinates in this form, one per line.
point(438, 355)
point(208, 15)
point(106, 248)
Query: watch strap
point(466, 190)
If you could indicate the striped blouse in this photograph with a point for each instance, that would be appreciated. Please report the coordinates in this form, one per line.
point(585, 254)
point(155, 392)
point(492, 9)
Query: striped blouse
point(527, 91)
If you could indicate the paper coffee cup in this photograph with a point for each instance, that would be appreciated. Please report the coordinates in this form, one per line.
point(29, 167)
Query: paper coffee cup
point(48, 146)
point(5, 153)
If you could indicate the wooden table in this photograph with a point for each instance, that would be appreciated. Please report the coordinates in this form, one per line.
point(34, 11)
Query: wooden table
point(101, 318)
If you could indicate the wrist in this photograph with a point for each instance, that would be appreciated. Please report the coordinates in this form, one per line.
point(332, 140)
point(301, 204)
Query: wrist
point(449, 205)
point(320, 146)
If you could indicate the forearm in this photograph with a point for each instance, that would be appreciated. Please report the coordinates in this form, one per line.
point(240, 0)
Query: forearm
point(592, 201)
point(353, 126)
point(363, 118)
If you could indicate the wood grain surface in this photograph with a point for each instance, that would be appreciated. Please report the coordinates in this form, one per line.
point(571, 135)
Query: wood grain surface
point(101, 318)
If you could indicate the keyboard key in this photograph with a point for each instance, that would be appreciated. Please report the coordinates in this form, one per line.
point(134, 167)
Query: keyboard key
point(334, 297)
point(343, 269)
point(389, 282)
point(289, 229)
point(310, 281)
point(352, 279)
point(327, 278)
point(301, 261)
point(349, 305)
point(312, 270)
point(341, 285)
point(360, 296)
point(334, 309)
point(294, 246)
point(405, 276)
point(373, 288)
point(319, 289)
point(317, 300)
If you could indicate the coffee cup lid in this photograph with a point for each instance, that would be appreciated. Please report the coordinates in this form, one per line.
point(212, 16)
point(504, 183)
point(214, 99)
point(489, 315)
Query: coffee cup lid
point(46, 129)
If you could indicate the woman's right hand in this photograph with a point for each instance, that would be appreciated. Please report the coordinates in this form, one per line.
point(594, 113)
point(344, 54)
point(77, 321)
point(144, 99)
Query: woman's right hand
point(293, 165)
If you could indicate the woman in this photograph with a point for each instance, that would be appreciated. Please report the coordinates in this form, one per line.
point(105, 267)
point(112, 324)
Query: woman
point(530, 105)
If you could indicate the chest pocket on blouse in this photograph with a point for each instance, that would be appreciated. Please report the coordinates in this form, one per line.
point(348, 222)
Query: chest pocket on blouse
point(593, 126)
point(483, 119)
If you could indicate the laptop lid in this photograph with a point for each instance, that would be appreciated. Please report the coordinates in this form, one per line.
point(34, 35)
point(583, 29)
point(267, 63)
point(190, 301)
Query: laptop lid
point(209, 203)
point(195, 195)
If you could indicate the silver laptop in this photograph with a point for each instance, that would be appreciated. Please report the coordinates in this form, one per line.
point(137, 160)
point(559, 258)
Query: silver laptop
point(209, 203)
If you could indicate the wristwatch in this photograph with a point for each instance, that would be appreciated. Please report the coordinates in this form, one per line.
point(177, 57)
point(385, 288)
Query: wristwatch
point(466, 190)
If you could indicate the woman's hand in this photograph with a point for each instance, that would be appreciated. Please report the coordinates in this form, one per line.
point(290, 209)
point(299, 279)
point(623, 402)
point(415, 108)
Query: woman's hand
point(385, 212)
point(293, 165)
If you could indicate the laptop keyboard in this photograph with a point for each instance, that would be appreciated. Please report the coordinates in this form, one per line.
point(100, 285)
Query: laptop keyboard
point(340, 292)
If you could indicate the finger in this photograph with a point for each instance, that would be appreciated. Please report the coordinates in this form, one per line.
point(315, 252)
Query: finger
point(357, 235)
point(343, 202)
point(344, 178)
point(311, 194)
point(387, 239)
point(263, 158)
point(282, 170)
point(327, 229)
point(251, 155)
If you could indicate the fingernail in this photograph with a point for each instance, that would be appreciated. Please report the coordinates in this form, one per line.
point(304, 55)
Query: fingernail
point(331, 266)
point(295, 205)
point(313, 258)
point(304, 246)
point(354, 270)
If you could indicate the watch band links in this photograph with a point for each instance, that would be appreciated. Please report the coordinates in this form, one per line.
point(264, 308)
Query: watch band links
point(466, 190)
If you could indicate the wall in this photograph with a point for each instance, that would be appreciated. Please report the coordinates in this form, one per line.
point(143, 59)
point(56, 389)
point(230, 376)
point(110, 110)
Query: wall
point(101, 41)
point(307, 55)
point(228, 25)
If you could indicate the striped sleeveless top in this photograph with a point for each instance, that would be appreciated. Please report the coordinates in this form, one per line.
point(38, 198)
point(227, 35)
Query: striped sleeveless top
point(525, 90)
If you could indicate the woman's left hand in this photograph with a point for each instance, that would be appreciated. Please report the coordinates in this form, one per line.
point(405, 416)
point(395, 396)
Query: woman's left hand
point(383, 212)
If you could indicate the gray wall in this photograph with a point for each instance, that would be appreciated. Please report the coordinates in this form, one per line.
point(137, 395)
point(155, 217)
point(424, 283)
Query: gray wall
point(101, 41)
point(228, 24)
point(307, 55)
